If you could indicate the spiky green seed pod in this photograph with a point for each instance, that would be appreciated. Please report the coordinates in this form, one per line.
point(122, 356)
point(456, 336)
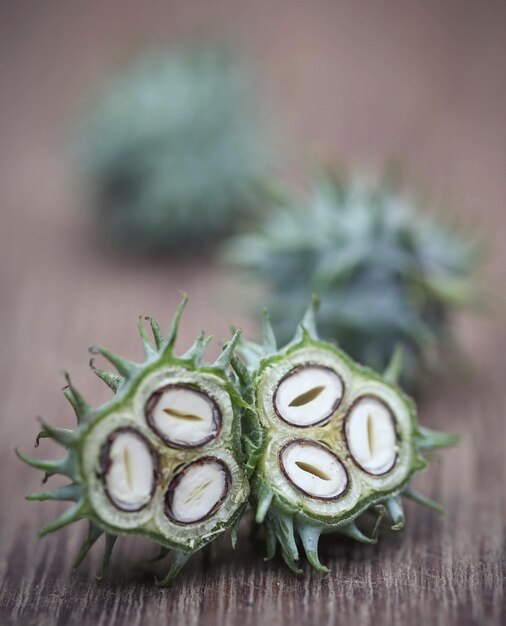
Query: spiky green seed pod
point(387, 274)
point(162, 459)
point(333, 440)
point(173, 150)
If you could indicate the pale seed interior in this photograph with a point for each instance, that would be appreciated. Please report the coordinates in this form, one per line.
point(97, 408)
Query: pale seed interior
point(184, 416)
point(371, 435)
point(130, 474)
point(198, 491)
point(314, 469)
point(308, 395)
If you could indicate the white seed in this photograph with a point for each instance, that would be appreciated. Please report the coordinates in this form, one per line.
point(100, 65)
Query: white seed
point(314, 469)
point(130, 470)
point(371, 437)
point(198, 490)
point(308, 396)
point(183, 416)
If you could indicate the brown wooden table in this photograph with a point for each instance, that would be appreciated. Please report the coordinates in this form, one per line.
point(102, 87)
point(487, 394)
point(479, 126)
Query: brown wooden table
point(366, 80)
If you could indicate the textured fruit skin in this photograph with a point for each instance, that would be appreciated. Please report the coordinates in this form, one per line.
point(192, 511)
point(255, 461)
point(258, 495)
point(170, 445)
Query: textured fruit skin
point(133, 385)
point(387, 274)
point(286, 513)
point(173, 150)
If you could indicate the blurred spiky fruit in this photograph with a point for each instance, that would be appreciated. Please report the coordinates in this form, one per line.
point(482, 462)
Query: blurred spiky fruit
point(388, 274)
point(173, 150)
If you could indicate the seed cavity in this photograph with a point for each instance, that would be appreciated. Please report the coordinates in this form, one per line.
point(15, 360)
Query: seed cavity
point(184, 417)
point(313, 469)
point(197, 491)
point(129, 469)
point(127, 462)
point(371, 435)
point(308, 395)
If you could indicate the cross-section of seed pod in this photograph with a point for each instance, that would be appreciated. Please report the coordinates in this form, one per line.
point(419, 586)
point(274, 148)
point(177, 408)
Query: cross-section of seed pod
point(329, 439)
point(162, 458)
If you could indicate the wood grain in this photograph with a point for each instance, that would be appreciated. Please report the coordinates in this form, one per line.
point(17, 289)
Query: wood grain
point(424, 81)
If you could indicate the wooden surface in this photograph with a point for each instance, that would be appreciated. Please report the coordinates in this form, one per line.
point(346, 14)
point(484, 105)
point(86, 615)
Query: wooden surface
point(364, 80)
